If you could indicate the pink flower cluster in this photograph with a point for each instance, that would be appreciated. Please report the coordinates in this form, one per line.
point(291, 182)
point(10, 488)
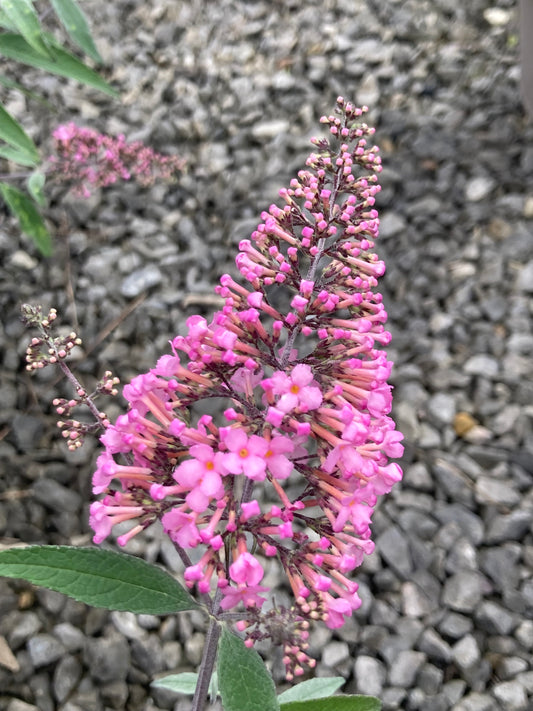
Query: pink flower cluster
point(297, 460)
point(90, 159)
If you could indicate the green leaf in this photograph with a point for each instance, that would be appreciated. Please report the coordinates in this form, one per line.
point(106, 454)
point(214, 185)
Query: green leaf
point(245, 684)
point(12, 132)
point(36, 183)
point(31, 222)
point(98, 577)
point(312, 689)
point(6, 23)
point(62, 62)
point(10, 84)
point(185, 683)
point(22, 15)
point(75, 23)
point(335, 703)
point(17, 156)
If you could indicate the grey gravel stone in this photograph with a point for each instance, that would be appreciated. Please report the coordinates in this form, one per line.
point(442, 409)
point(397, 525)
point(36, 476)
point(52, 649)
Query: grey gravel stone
point(463, 591)
point(495, 491)
point(476, 702)
point(66, 676)
point(494, 618)
point(509, 527)
point(335, 653)
point(500, 564)
point(27, 430)
point(511, 667)
point(525, 278)
point(369, 675)
point(18, 705)
point(55, 496)
point(393, 547)
point(434, 647)
point(70, 636)
point(466, 653)
point(524, 634)
point(479, 188)
point(405, 668)
point(470, 523)
point(108, 658)
point(511, 695)
point(481, 364)
point(44, 649)
point(429, 679)
point(141, 280)
point(25, 626)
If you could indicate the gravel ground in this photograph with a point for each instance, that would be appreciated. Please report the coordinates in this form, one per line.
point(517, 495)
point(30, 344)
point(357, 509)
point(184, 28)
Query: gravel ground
point(237, 88)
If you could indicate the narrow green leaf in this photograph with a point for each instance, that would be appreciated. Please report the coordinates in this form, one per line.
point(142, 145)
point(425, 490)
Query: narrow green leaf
point(185, 683)
point(31, 222)
point(98, 577)
point(6, 23)
point(22, 15)
point(12, 132)
point(312, 689)
point(245, 684)
point(62, 62)
point(36, 183)
point(335, 703)
point(75, 23)
point(17, 156)
point(10, 84)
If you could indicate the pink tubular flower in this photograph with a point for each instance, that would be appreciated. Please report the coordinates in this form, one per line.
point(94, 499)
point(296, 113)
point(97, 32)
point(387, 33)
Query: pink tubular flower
point(201, 476)
point(246, 455)
point(295, 390)
point(306, 401)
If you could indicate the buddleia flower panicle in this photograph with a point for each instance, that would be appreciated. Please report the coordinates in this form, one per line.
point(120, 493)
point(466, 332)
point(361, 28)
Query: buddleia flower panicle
point(88, 160)
point(293, 467)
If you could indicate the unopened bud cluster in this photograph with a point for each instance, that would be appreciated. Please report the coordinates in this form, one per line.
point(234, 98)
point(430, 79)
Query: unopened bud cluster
point(73, 430)
point(47, 349)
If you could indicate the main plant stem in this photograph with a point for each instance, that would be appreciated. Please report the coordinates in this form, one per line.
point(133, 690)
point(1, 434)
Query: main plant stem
point(206, 667)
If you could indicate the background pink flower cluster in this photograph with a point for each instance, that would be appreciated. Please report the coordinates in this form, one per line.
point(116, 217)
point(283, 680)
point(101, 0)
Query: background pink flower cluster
point(92, 160)
point(294, 464)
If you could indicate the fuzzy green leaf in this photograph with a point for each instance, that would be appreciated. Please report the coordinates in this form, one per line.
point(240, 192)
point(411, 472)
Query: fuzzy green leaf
point(12, 133)
point(312, 689)
point(185, 683)
point(98, 577)
point(62, 62)
point(245, 684)
point(75, 23)
point(335, 703)
point(36, 183)
point(22, 15)
point(31, 222)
